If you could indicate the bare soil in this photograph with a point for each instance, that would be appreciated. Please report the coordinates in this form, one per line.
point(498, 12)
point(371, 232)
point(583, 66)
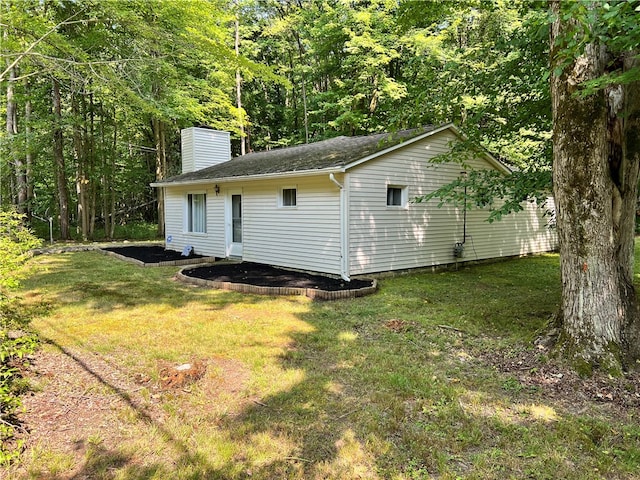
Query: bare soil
point(79, 397)
point(552, 379)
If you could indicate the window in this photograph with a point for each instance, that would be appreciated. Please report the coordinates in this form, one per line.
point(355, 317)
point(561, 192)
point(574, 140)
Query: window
point(197, 212)
point(396, 196)
point(288, 197)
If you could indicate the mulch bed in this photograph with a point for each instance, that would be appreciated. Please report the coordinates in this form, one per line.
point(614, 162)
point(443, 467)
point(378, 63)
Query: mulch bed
point(149, 253)
point(244, 272)
point(268, 276)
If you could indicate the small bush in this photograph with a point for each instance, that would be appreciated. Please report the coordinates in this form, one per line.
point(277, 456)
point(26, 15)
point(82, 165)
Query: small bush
point(16, 242)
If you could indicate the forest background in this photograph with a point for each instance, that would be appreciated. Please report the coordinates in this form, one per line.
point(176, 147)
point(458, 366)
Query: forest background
point(95, 92)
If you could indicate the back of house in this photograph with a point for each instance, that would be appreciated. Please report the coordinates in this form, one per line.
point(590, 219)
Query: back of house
point(342, 206)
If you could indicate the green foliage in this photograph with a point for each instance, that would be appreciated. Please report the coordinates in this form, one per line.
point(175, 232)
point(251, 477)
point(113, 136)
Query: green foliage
point(310, 70)
point(378, 65)
point(613, 24)
point(16, 242)
point(123, 67)
point(15, 343)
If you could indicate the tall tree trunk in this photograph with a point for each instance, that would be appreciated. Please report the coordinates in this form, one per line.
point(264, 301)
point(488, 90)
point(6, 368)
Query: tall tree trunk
point(161, 167)
point(595, 178)
point(106, 174)
point(110, 179)
point(19, 166)
point(304, 89)
point(81, 159)
point(91, 149)
point(243, 143)
point(29, 153)
point(59, 163)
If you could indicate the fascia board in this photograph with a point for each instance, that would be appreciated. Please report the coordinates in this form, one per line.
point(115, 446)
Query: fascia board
point(246, 178)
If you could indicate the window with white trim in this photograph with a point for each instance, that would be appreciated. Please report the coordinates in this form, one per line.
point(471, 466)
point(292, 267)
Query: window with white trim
point(396, 196)
point(197, 212)
point(289, 197)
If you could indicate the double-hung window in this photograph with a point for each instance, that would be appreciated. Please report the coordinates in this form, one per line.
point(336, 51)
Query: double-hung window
point(197, 212)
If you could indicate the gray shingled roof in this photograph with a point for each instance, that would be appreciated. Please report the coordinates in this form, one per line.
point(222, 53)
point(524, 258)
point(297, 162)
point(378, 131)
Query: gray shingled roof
point(333, 153)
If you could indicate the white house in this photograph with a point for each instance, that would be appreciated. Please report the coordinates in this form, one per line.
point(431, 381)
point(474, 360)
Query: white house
point(341, 206)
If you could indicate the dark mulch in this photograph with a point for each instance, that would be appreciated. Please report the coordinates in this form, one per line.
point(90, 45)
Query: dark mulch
point(150, 253)
point(268, 276)
point(244, 272)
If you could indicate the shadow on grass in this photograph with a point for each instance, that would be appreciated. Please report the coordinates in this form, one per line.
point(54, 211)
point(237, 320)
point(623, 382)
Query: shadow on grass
point(104, 463)
point(387, 379)
point(69, 279)
point(390, 389)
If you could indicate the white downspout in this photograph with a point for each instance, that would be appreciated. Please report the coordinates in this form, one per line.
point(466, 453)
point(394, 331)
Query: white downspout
point(344, 261)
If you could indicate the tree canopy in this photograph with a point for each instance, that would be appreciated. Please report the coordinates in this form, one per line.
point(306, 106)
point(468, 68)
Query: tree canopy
point(128, 75)
point(95, 93)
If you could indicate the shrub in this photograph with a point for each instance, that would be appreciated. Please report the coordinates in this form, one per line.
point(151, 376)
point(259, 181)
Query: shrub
point(16, 242)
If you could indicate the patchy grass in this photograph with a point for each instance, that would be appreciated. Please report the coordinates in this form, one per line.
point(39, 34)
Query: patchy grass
point(398, 385)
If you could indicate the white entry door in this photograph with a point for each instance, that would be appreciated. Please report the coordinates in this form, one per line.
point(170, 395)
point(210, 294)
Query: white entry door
point(234, 224)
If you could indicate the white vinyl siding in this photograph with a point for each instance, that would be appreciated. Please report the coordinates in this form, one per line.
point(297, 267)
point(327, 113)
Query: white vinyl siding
point(203, 147)
point(306, 237)
point(211, 243)
point(382, 238)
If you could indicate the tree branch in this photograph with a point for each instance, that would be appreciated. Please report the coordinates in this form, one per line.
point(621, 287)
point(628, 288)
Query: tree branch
point(33, 45)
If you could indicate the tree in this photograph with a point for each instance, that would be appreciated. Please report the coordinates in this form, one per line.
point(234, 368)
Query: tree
point(595, 93)
point(110, 84)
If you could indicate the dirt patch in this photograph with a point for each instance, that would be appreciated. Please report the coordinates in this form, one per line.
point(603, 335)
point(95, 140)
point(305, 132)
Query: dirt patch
point(179, 376)
point(397, 325)
point(268, 276)
point(80, 398)
point(564, 385)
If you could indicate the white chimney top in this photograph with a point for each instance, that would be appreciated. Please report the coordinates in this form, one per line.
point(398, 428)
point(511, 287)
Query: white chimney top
point(204, 147)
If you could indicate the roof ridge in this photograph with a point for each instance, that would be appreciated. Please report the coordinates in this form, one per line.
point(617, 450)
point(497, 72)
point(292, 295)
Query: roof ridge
point(331, 153)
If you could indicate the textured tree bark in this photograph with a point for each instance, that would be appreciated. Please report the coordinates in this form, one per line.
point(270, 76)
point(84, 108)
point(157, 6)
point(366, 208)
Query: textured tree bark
point(20, 171)
point(81, 160)
point(59, 163)
point(595, 176)
point(29, 153)
point(161, 167)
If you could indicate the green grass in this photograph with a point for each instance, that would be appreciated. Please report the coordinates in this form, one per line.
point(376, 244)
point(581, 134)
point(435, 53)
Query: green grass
point(132, 231)
point(331, 390)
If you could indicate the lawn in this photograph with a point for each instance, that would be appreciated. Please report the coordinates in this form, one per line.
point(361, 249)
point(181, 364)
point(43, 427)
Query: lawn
point(435, 376)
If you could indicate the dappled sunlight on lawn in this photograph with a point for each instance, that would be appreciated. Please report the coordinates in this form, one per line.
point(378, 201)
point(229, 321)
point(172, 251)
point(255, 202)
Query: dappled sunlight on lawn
point(395, 385)
point(484, 405)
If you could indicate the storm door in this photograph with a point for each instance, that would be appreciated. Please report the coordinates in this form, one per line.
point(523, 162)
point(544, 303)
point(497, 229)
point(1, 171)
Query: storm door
point(234, 224)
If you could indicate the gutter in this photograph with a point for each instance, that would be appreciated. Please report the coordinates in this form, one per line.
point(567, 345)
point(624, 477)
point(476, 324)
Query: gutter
point(245, 178)
point(344, 228)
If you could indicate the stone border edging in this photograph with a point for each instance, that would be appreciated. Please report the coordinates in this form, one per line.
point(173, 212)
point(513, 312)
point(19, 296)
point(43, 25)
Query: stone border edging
point(313, 293)
point(101, 249)
point(168, 263)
